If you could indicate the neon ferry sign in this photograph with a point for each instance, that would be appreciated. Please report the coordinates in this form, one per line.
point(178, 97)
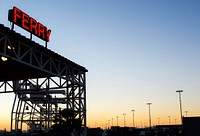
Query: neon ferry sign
point(28, 23)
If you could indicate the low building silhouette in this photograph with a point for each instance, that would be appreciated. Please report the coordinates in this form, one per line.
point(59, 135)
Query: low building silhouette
point(191, 126)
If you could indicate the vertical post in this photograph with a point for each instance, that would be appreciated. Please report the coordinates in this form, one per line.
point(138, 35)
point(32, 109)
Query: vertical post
point(117, 120)
point(133, 119)
point(112, 121)
point(124, 119)
point(149, 114)
point(179, 92)
point(108, 124)
point(186, 113)
point(169, 120)
point(84, 109)
point(12, 114)
point(12, 27)
point(31, 36)
point(45, 44)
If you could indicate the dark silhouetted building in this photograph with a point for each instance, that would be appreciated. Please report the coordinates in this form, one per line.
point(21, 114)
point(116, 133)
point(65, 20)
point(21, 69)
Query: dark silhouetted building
point(191, 126)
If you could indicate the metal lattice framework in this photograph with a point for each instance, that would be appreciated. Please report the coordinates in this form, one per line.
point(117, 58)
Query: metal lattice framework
point(43, 82)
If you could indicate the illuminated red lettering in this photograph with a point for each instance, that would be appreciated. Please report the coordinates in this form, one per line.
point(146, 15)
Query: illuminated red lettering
point(17, 14)
point(40, 29)
point(28, 23)
point(25, 21)
point(33, 26)
point(48, 32)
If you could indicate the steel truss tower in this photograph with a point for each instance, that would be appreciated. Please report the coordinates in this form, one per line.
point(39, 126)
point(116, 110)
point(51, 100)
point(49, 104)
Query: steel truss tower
point(43, 82)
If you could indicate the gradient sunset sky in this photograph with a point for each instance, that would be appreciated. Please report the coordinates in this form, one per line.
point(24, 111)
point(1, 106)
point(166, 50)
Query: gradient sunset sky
point(136, 51)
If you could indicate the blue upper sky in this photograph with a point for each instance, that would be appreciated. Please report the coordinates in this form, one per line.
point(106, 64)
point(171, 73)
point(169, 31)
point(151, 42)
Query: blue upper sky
point(136, 51)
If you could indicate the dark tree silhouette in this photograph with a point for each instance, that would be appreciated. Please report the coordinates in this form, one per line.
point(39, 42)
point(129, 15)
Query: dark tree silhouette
point(66, 123)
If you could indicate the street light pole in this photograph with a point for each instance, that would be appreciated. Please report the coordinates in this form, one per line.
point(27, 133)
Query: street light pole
point(108, 124)
point(133, 119)
point(117, 120)
point(124, 119)
point(169, 120)
point(149, 114)
point(112, 121)
point(180, 91)
point(186, 113)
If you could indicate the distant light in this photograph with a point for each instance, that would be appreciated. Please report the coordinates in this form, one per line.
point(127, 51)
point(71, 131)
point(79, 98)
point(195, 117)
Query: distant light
point(9, 47)
point(4, 58)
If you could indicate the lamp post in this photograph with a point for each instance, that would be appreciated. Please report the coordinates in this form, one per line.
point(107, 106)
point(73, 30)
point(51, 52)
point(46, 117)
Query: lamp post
point(149, 114)
point(133, 118)
point(186, 113)
point(179, 92)
point(124, 119)
point(112, 121)
point(169, 119)
point(117, 120)
point(108, 124)
point(158, 121)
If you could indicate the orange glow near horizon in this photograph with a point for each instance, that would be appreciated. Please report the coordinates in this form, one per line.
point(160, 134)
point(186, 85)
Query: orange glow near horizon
point(140, 121)
point(5, 124)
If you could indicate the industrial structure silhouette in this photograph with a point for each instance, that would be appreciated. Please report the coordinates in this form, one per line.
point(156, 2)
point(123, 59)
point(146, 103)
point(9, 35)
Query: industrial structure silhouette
point(43, 82)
